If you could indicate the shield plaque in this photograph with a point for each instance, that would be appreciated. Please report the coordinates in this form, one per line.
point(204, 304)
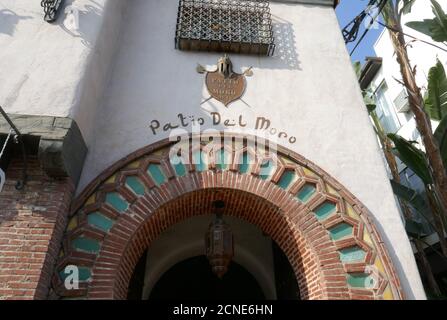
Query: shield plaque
point(225, 89)
point(223, 84)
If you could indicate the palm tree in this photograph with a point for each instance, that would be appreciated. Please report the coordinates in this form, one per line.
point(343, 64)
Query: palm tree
point(392, 14)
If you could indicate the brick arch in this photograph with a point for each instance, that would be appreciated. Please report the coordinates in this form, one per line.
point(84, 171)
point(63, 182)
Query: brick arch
point(269, 217)
point(324, 231)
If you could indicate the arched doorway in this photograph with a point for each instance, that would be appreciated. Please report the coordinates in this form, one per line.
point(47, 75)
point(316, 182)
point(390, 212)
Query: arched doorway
point(325, 232)
point(174, 265)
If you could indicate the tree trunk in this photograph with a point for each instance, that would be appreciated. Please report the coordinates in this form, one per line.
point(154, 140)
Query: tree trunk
point(438, 223)
point(416, 103)
point(387, 147)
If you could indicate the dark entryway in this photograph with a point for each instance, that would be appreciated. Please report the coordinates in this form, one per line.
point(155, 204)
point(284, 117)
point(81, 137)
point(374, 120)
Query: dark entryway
point(286, 284)
point(193, 279)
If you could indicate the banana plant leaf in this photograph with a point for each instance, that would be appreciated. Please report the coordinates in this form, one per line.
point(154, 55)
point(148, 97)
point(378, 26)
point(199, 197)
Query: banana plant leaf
point(357, 65)
point(415, 229)
point(413, 157)
point(411, 196)
point(370, 106)
point(441, 136)
point(417, 202)
point(407, 5)
point(435, 28)
point(368, 97)
point(436, 96)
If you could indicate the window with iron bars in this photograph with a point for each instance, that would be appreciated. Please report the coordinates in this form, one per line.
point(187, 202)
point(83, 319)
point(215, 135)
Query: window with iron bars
point(238, 26)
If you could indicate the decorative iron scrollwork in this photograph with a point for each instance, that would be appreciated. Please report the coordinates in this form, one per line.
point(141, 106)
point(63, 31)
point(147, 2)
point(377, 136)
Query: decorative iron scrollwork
point(51, 9)
point(239, 26)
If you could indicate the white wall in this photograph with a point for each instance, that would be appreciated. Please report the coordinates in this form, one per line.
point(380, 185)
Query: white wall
point(49, 69)
point(308, 89)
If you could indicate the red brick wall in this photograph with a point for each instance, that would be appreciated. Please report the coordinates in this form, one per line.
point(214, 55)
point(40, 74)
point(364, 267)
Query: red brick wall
point(32, 222)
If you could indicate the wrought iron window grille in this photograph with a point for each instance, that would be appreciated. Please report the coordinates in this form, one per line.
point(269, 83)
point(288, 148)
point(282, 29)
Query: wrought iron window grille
point(237, 26)
point(51, 9)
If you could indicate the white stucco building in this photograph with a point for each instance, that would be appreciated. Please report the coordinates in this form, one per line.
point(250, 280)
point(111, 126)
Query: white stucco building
point(98, 93)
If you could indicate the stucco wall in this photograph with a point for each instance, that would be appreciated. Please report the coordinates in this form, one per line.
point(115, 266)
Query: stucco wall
point(53, 69)
point(308, 89)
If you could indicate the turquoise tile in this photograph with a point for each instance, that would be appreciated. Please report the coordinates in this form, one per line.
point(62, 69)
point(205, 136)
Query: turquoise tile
point(84, 273)
point(245, 165)
point(360, 280)
point(116, 201)
point(199, 161)
point(100, 221)
point(266, 169)
point(86, 244)
point(179, 167)
point(340, 231)
point(156, 174)
point(306, 192)
point(136, 185)
point(287, 178)
point(222, 159)
point(352, 254)
point(325, 210)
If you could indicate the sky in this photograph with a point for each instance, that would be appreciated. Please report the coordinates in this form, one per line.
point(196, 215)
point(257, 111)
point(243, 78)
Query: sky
point(346, 11)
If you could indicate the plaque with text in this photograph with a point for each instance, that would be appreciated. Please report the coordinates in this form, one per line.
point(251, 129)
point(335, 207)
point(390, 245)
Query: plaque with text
point(224, 84)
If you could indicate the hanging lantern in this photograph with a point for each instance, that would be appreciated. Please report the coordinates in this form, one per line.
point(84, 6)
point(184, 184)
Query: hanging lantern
point(219, 242)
